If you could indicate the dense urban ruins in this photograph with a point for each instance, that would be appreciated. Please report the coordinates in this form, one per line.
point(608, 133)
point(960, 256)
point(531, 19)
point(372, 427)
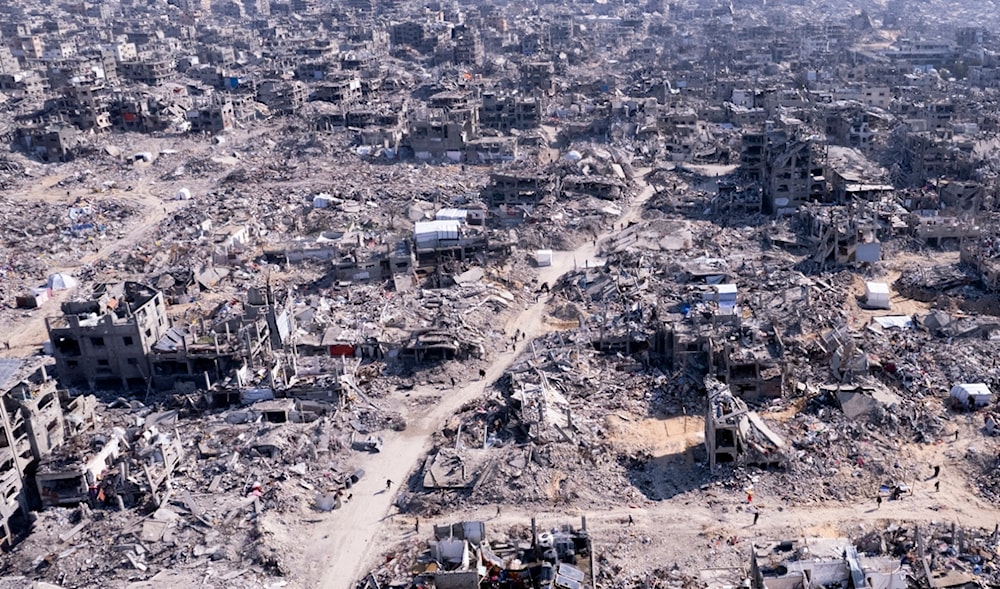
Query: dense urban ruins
point(372, 294)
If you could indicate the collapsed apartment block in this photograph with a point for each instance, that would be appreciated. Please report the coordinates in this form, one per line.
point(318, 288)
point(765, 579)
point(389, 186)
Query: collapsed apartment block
point(123, 336)
point(819, 562)
point(54, 143)
point(841, 235)
point(214, 116)
point(534, 413)
point(16, 456)
point(854, 177)
point(789, 169)
point(752, 362)
point(735, 434)
point(36, 422)
point(282, 97)
point(983, 254)
point(508, 193)
point(240, 339)
point(462, 556)
point(446, 239)
point(444, 128)
point(504, 112)
point(116, 467)
point(153, 72)
point(109, 336)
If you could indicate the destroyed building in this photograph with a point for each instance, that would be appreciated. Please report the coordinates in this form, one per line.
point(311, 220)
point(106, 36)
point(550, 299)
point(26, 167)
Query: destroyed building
point(36, 423)
point(464, 556)
point(109, 336)
point(789, 168)
point(299, 227)
point(735, 434)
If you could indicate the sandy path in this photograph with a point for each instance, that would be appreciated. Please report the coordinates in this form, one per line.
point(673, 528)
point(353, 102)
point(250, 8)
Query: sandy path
point(339, 547)
point(694, 527)
point(27, 335)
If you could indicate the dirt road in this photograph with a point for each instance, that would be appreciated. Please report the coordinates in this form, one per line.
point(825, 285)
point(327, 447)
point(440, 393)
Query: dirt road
point(711, 528)
point(339, 548)
point(27, 334)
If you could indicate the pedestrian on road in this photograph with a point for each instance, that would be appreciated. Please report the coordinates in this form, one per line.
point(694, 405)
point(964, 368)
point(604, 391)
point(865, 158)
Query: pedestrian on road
point(482, 373)
point(453, 381)
point(416, 525)
point(937, 486)
point(878, 501)
point(956, 435)
point(756, 516)
point(749, 496)
point(630, 520)
point(937, 470)
point(498, 511)
point(388, 484)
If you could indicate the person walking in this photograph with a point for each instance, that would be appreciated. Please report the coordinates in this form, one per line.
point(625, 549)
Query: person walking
point(937, 471)
point(878, 501)
point(756, 516)
point(498, 511)
point(388, 484)
point(416, 525)
point(630, 520)
point(937, 486)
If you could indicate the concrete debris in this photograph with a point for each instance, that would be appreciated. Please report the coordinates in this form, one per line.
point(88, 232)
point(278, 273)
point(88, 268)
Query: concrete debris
point(672, 262)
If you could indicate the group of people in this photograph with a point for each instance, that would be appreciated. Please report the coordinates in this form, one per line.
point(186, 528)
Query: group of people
point(897, 491)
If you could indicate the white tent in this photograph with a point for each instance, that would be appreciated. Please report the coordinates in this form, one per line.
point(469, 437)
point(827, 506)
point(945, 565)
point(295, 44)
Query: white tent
point(60, 281)
point(877, 295)
point(979, 393)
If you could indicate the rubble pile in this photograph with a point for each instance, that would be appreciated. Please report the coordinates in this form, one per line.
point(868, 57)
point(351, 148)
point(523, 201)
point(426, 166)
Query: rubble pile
point(200, 498)
point(592, 254)
point(40, 236)
point(543, 435)
point(515, 555)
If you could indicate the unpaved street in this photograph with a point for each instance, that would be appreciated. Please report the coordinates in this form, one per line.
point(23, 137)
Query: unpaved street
point(339, 546)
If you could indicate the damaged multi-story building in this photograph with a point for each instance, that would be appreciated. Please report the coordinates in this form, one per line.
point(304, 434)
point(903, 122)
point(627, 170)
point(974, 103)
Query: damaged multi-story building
point(108, 337)
point(789, 168)
point(122, 336)
point(734, 433)
point(36, 421)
